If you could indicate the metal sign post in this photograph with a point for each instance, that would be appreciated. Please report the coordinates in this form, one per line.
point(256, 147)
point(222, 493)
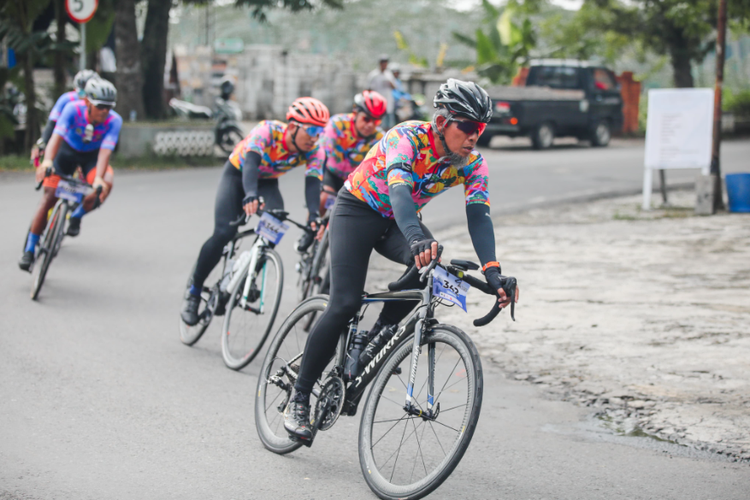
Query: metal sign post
point(81, 11)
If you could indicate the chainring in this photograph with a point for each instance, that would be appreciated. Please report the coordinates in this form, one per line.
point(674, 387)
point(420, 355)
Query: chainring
point(330, 402)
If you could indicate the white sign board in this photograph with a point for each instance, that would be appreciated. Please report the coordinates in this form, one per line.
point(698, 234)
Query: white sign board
point(81, 11)
point(679, 132)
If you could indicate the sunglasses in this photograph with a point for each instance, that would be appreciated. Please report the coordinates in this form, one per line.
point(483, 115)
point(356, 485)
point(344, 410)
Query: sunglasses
point(468, 127)
point(312, 130)
point(370, 119)
point(102, 106)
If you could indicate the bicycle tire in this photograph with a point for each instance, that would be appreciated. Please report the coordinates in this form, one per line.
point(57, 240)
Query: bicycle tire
point(319, 286)
point(287, 345)
point(189, 335)
point(384, 487)
point(251, 345)
point(54, 231)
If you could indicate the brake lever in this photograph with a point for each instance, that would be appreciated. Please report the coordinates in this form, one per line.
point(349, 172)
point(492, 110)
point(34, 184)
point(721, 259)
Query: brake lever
point(509, 287)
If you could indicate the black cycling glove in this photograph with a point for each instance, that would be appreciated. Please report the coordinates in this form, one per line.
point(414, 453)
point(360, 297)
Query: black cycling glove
point(492, 275)
point(420, 246)
point(249, 198)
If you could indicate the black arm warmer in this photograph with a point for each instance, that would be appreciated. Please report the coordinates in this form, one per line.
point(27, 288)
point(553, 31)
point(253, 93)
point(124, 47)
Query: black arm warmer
point(48, 129)
point(250, 175)
point(405, 213)
point(481, 231)
point(312, 196)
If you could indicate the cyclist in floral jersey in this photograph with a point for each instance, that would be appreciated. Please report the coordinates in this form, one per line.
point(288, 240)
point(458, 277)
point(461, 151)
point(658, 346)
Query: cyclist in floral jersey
point(270, 150)
point(377, 209)
point(347, 139)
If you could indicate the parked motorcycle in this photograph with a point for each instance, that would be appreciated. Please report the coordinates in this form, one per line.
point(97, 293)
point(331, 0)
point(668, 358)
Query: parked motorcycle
point(227, 132)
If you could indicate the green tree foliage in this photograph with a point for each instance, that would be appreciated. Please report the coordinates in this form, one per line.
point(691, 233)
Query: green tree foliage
point(504, 41)
point(684, 31)
point(16, 29)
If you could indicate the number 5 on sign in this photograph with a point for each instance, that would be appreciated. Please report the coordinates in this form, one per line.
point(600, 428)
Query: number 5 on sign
point(81, 11)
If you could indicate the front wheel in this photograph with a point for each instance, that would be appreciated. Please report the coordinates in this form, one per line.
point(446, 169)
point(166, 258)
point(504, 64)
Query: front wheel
point(249, 320)
point(404, 455)
point(229, 138)
point(52, 240)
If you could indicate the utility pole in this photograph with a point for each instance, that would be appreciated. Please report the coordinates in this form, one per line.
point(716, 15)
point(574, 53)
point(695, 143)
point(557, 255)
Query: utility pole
point(715, 161)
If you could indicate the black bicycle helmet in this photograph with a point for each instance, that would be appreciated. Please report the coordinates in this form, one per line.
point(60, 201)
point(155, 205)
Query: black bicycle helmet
point(466, 99)
point(82, 77)
point(101, 91)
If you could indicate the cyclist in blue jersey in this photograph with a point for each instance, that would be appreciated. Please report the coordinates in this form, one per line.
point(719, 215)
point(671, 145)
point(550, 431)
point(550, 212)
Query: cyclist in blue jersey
point(78, 93)
point(85, 135)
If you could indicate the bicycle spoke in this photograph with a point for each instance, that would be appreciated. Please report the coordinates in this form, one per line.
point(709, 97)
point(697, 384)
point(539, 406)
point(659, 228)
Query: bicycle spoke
point(275, 399)
point(389, 430)
point(449, 377)
point(438, 439)
point(452, 408)
point(398, 452)
point(444, 425)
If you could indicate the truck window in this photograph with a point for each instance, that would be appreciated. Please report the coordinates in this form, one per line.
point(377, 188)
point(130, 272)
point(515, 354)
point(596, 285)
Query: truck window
point(603, 80)
point(556, 77)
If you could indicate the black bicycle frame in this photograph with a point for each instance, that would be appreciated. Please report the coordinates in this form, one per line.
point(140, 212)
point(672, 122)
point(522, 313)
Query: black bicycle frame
point(357, 387)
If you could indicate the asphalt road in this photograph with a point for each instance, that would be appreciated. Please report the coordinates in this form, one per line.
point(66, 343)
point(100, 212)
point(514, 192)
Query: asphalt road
point(99, 399)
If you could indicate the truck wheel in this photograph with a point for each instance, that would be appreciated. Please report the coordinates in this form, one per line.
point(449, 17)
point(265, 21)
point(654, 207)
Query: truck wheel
point(484, 140)
point(601, 134)
point(543, 136)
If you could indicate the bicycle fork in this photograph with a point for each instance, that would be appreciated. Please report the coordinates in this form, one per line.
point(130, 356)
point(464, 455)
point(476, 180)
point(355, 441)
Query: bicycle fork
point(252, 273)
point(431, 412)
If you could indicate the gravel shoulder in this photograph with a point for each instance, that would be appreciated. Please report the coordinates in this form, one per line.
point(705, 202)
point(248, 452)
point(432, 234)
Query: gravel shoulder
point(642, 316)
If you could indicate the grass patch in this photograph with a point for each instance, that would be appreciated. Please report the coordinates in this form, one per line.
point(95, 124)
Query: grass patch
point(17, 163)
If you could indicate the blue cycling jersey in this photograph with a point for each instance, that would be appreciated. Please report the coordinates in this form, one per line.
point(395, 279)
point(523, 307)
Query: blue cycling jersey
point(72, 127)
point(64, 99)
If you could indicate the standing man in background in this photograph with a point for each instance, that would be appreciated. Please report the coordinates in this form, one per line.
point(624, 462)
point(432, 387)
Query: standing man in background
point(381, 80)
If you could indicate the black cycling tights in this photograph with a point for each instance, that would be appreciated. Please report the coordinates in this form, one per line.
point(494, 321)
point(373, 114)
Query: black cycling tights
point(356, 229)
point(229, 208)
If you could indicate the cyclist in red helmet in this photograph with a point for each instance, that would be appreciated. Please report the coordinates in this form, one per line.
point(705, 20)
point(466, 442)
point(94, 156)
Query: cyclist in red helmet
point(347, 139)
point(269, 151)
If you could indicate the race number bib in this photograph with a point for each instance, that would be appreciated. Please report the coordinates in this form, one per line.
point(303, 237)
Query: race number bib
point(271, 228)
point(448, 287)
point(71, 192)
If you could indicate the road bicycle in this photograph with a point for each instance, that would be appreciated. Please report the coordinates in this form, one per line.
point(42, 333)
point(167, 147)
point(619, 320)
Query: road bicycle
point(70, 193)
point(312, 267)
point(247, 292)
point(420, 415)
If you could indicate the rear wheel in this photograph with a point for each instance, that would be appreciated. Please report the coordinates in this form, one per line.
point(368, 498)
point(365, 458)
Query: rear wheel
point(279, 374)
point(543, 136)
point(601, 134)
point(404, 455)
point(189, 335)
point(247, 326)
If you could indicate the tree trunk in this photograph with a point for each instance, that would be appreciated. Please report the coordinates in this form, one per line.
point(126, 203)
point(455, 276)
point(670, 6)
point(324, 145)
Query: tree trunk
point(59, 65)
point(32, 125)
point(681, 57)
point(154, 56)
point(129, 77)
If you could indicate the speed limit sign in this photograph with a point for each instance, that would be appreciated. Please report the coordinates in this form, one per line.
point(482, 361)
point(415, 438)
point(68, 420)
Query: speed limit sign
point(81, 11)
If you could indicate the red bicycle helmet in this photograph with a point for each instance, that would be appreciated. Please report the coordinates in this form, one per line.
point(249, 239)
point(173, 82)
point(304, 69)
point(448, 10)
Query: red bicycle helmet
point(371, 103)
point(308, 110)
